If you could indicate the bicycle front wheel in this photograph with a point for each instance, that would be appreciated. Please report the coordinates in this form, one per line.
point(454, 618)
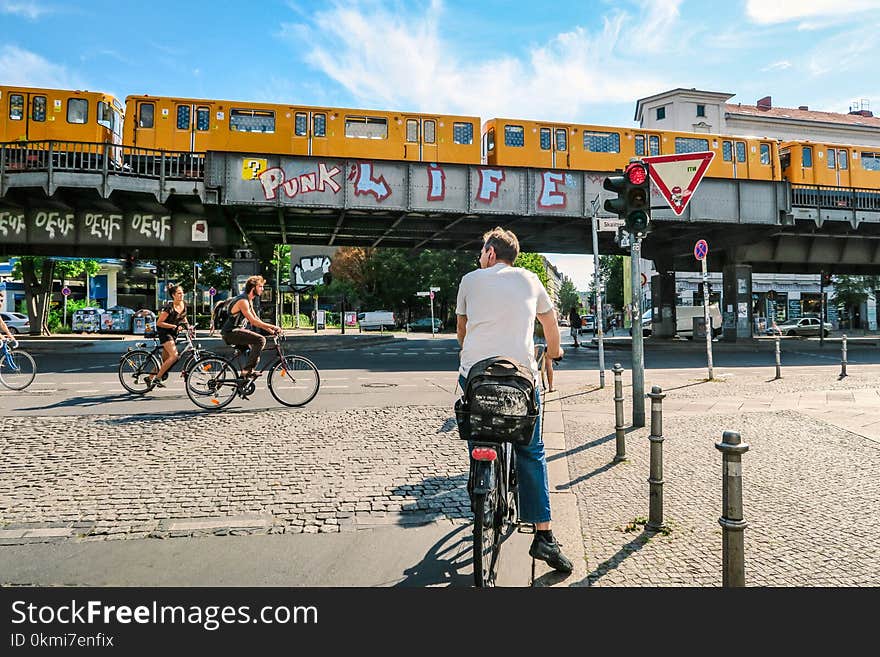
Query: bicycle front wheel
point(212, 383)
point(17, 370)
point(294, 381)
point(486, 535)
point(134, 368)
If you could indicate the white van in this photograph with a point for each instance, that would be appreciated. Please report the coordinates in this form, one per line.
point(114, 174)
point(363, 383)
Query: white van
point(684, 319)
point(376, 320)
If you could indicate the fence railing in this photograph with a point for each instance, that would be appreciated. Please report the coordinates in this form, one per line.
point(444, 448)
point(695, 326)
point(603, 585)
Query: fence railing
point(85, 157)
point(834, 198)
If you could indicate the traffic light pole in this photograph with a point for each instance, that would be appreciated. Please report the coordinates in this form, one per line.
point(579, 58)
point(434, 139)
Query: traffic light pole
point(600, 319)
point(638, 343)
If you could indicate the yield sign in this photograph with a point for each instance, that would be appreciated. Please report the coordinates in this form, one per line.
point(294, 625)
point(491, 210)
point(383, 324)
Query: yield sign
point(677, 176)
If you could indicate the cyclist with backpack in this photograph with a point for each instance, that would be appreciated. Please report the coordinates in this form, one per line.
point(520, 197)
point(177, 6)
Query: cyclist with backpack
point(496, 310)
point(240, 314)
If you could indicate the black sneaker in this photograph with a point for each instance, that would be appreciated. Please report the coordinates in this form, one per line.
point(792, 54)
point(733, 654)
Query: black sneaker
point(549, 551)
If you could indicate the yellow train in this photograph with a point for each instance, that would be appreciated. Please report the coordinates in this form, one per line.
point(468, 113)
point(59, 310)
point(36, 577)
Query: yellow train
point(516, 142)
point(830, 165)
point(197, 125)
point(30, 114)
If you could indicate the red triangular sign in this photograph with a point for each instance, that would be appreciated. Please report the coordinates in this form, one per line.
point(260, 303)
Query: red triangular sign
point(677, 176)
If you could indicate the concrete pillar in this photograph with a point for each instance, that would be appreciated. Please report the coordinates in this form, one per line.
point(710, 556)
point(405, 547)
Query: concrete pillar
point(736, 302)
point(663, 304)
point(111, 288)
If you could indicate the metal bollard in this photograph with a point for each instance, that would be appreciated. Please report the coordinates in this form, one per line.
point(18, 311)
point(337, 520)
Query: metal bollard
point(732, 523)
point(778, 360)
point(655, 480)
point(619, 436)
point(843, 357)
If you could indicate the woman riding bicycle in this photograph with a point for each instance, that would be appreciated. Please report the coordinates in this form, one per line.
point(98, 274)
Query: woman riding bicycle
point(241, 313)
point(171, 318)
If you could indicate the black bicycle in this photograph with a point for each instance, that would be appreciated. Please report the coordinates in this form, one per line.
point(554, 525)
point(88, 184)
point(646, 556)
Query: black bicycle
point(137, 366)
point(214, 382)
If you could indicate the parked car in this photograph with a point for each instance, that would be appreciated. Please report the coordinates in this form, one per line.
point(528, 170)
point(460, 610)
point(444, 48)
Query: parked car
point(647, 325)
point(16, 322)
point(563, 321)
point(424, 324)
point(803, 326)
point(588, 324)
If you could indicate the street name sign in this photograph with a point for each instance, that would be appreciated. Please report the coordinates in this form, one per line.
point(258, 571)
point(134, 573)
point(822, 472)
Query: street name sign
point(677, 176)
point(609, 225)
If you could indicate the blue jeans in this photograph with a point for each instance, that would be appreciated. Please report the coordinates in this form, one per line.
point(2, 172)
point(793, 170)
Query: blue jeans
point(531, 472)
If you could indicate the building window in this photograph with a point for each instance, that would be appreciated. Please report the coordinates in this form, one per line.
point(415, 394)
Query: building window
point(366, 127)
point(701, 110)
point(462, 133)
point(602, 142)
point(514, 136)
point(203, 119)
point(16, 107)
point(147, 110)
point(241, 120)
point(39, 111)
point(183, 114)
point(319, 125)
point(640, 144)
point(765, 154)
point(545, 139)
point(807, 156)
point(661, 113)
point(691, 145)
point(429, 131)
point(871, 161)
point(561, 139)
point(300, 124)
point(77, 110)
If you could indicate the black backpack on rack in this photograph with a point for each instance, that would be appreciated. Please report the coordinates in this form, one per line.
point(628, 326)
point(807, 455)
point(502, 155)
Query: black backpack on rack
point(498, 402)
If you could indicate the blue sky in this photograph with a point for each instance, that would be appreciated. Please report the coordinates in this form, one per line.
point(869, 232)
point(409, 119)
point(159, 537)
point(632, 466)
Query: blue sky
point(580, 61)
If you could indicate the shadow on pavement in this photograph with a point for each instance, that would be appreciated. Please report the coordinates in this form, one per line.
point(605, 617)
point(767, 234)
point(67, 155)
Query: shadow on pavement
point(616, 559)
point(448, 562)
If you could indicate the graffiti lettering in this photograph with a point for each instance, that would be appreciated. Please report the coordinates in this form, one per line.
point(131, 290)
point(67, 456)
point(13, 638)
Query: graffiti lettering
point(13, 223)
point(151, 225)
point(53, 222)
point(365, 183)
point(103, 226)
point(274, 178)
point(436, 183)
point(490, 182)
point(550, 196)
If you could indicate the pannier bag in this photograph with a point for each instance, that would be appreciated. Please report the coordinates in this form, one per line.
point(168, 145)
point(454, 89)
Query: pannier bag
point(498, 402)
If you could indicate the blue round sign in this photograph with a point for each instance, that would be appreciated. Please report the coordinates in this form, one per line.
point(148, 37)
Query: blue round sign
point(701, 249)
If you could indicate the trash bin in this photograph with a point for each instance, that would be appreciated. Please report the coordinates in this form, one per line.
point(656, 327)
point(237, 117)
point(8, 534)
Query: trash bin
point(86, 320)
point(117, 319)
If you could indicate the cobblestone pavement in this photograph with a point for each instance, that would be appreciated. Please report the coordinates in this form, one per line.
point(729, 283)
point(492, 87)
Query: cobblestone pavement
point(107, 477)
point(811, 479)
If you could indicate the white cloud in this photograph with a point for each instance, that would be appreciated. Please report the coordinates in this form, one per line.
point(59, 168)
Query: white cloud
point(777, 66)
point(24, 68)
point(784, 11)
point(845, 51)
point(27, 9)
point(403, 61)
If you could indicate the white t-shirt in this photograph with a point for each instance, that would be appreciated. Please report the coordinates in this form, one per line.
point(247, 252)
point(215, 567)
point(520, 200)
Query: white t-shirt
point(500, 303)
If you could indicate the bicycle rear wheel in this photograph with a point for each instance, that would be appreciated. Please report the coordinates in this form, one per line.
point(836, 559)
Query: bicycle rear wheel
point(134, 368)
point(486, 536)
point(212, 383)
point(294, 380)
point(17, 370)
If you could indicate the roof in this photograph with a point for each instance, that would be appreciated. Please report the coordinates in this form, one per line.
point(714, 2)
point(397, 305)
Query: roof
point(792, 114)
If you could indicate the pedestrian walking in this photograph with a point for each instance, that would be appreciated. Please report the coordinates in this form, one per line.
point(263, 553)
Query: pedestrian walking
point(574, 319)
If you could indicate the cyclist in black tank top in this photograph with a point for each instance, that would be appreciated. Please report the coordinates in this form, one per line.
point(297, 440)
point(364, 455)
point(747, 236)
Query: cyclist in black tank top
point(241, 312)
point(171, 318)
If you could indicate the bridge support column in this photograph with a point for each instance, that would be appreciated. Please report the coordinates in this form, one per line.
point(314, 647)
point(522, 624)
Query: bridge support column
point(736, 302)
point(663, 304)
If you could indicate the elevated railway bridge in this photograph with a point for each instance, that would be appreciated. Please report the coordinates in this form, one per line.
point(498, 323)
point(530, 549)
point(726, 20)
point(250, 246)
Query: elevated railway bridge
point(102, 200)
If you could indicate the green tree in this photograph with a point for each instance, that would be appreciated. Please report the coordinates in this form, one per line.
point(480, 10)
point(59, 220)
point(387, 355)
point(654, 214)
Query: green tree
point(611, 273)
point(568, 296)
point(38, 275)
point(534, 263)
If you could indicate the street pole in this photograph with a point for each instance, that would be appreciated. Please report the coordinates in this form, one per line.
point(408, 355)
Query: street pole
point(706, 320)
point(638, 354)
point(431, 299)
point(316, 313)
point(821, 309)
point(296, 309)
point(278, 309)
point(600, 331)
point(195, 282)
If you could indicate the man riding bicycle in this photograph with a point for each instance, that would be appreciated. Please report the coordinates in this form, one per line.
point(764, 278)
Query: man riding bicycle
point(241, 313)
point(497, 307)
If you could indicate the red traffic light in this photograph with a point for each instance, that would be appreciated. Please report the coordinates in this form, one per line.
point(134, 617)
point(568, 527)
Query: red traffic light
point(637, 173)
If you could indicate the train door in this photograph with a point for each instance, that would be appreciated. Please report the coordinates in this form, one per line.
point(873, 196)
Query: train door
point(310, 133)
point(646, 144)
point(808, 172)
point(734, 155)
point(837, 161)
point(420, 139)
point(145, 123)
point(553, 147)
point(192, 125)
point(26, 117)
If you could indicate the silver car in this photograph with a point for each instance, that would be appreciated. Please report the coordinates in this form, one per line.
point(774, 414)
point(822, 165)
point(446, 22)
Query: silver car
point(17, 322)
point(804, 326)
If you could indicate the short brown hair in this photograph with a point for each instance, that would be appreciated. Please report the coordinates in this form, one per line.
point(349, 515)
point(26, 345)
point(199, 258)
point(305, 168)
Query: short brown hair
point(504, 242)
point(252, 282)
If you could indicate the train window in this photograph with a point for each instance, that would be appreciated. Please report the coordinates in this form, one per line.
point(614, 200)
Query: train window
point(692, 145)
point(16, 107)
point(430, 131)
point(462, 133)
point(183, 117)
point(366, 127)
point(252, 120)
point(147, 110)
point(412, 130)
point(561, 139)
point(871, 161)
point(640, 144)
point(832, 159)
point(602, 142)
point(842, 163)
point(785, 159)
point(515, 136)
point(319, 125)
point(490, 140)
point(654, 144)
point(807, 156)
point(727, 151)
point(301, 124)
point(203, 118)
point(740, 151)
point(545, 139)
point(38, 113)
point(765, 154)
point(77, 110)
point(105, 114)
